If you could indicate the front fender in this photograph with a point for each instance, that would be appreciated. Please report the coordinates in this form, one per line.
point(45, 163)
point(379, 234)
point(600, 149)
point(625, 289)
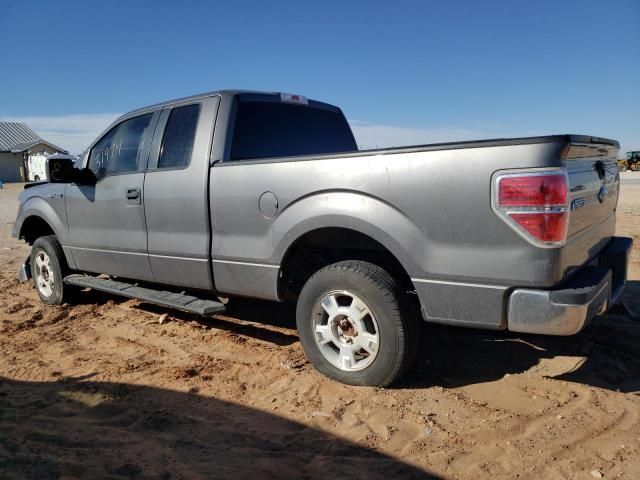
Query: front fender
point(47, 203)
point(38, 207)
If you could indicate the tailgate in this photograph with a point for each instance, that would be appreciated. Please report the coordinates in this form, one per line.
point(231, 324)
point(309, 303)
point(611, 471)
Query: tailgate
point(594, 181)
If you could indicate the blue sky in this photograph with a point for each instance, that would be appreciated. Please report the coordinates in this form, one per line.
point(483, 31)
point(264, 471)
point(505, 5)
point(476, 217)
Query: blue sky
point(403, 72)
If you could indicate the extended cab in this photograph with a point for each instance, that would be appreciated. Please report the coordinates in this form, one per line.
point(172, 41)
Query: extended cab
point(266, 195)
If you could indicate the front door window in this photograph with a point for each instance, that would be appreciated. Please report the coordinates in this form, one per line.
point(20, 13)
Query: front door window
point(120, 149)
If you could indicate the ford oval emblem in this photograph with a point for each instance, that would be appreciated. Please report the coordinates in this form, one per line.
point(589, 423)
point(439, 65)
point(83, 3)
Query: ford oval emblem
point(602, 193)
point(577, 203)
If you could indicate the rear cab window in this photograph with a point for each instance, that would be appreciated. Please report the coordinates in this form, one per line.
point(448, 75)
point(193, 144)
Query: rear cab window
point(272, 129)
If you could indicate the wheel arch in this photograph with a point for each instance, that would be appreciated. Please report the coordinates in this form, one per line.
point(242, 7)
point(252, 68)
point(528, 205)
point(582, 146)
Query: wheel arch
point(332, 224)
point(34, 227)
point(36, 210)
point(38, 218)
point(323, 246)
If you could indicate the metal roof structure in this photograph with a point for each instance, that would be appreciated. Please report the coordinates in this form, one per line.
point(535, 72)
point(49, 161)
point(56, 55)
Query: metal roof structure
point(18, 137)
point(21, 147)
point(12, 134)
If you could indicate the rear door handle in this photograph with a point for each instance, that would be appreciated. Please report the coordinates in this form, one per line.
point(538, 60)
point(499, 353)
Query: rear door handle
point(133, 196)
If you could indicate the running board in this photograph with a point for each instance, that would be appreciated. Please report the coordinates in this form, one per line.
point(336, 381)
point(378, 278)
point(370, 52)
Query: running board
point(159, 297)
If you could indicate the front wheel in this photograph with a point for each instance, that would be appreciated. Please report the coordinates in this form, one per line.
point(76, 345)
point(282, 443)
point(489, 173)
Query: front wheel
point(48, 269)
point(355, 324)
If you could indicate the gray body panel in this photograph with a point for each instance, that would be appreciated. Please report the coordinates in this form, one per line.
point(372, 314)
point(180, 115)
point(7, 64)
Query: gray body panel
point(107, 234)
point(227, 225)
point(177, 211)
point(46, 201)
point(435, 219)
point(107, 229)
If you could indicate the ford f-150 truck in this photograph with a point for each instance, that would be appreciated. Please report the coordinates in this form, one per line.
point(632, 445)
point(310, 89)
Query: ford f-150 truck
point(265, 195)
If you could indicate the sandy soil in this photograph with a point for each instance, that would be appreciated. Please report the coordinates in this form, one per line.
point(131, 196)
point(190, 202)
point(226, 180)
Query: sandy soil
point(100, 389)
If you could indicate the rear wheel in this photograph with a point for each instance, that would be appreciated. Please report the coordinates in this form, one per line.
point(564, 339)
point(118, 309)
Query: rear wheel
point(355, 324)
point(48, 269)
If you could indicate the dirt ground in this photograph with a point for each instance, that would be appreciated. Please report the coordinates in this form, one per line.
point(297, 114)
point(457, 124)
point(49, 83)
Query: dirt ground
point(99, 389)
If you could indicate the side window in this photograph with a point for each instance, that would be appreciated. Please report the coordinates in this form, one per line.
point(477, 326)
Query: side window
point(178, 138)
point(119, 150)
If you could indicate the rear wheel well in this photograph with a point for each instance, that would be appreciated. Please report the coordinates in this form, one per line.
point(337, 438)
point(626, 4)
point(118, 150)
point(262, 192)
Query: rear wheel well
point(33, 228)
point(319, 248)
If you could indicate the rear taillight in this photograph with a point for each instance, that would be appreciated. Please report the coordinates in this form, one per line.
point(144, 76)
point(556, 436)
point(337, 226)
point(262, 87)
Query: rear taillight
point(535, 204)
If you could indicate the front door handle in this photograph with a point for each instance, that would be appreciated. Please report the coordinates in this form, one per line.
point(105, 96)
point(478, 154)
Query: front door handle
point(133, 196)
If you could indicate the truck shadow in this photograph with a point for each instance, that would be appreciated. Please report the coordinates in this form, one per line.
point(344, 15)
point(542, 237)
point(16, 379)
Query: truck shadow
point(81, 428)
point(267, 321)
point(605, 353)
point(252, 318)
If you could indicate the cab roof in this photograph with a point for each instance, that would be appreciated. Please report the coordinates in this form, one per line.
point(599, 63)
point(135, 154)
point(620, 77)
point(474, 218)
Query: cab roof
point(256, 94)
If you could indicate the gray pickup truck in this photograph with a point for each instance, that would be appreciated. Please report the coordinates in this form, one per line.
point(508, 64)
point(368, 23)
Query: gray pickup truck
point(265, 195)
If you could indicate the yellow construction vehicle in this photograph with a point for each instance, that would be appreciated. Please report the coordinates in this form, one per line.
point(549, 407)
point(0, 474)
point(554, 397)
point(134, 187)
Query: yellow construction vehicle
point(632, 162)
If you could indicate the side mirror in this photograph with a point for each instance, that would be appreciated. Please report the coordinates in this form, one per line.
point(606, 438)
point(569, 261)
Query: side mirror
point(60, 170)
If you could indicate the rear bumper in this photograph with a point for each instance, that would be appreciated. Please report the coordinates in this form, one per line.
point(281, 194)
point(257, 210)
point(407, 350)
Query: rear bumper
point(566, 309)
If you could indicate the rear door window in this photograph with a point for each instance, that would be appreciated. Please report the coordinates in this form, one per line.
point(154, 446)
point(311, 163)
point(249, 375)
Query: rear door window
point(272, 129)
point(178, 137)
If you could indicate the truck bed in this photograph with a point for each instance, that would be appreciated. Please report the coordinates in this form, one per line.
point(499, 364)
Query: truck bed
point(432, 147)
point(429, 205)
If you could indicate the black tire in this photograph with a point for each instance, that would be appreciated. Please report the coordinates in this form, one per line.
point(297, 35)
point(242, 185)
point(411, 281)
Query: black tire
point(398, 328)
point(56, 271)
point(36, 179)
